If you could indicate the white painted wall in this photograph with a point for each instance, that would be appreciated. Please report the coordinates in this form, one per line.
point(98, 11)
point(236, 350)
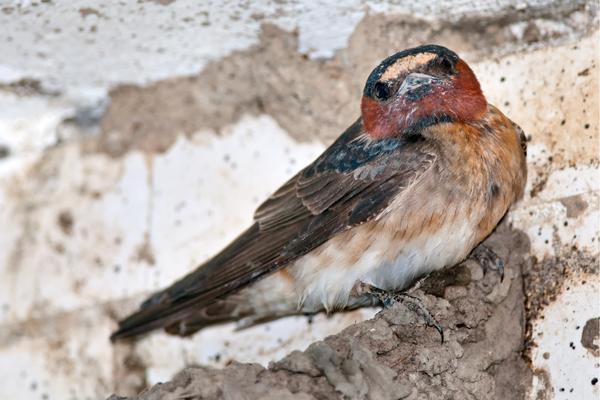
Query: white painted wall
point(93, 44)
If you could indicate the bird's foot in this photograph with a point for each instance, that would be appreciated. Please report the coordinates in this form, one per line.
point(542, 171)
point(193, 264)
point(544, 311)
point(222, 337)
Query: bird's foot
point(389, 298)
point(488, 260)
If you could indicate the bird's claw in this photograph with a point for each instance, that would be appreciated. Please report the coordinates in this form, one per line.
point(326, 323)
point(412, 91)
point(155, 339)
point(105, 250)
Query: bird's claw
point(414, 304)
point(488, 259)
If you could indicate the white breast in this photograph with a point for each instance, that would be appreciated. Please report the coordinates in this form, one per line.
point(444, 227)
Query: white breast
point(325, 278)
point(423, 255)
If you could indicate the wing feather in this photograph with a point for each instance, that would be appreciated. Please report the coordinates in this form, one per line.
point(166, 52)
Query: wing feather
point(352, 182)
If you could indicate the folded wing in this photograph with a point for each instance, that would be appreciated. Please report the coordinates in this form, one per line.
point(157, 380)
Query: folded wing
point(352, 182)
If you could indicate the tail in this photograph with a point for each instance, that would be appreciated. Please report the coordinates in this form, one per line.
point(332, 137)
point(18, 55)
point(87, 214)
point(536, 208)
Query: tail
point(168, 307)
point(148, 318)
point(178, 323)
point(244, 261)
point(277, 301)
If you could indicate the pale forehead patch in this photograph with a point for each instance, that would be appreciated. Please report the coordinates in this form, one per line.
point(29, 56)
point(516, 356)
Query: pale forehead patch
point(406, 64)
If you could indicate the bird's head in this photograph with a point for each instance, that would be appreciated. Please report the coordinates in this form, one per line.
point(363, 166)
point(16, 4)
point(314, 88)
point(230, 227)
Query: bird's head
point(420, 86)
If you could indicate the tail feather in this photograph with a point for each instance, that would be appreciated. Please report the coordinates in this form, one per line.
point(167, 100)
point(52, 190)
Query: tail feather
point(190, 293)
point(161, 310)
point(144, 321)
point(252, 256)
point(189, 320)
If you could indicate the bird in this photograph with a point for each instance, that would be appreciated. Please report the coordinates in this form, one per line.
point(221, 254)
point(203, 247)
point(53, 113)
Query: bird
point(416, 183)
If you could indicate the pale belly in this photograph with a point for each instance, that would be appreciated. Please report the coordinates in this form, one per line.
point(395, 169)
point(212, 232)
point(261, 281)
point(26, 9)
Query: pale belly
point(373, 253)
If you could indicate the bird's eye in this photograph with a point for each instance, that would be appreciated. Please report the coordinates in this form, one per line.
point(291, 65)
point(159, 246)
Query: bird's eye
point(382, 91)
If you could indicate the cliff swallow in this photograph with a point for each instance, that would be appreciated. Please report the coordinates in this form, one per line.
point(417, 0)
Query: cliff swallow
point(419, 180)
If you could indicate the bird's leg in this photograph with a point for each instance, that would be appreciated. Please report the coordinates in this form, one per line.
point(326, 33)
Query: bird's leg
point(488, 259)
point(418, 283)
point(414, 304)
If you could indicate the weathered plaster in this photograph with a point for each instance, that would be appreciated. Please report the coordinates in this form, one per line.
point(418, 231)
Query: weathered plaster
point(143, 41)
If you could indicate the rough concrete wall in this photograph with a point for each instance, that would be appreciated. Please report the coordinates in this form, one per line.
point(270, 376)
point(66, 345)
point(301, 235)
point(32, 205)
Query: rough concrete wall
point(136, 139)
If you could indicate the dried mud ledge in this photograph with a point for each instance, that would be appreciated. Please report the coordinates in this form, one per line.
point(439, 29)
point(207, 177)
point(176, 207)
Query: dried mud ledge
point(394, 356)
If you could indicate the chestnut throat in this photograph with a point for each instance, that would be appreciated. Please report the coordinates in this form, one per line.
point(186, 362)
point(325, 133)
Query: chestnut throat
point(459, 99)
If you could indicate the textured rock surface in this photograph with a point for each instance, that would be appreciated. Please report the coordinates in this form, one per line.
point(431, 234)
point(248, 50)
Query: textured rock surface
point(395, 356)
